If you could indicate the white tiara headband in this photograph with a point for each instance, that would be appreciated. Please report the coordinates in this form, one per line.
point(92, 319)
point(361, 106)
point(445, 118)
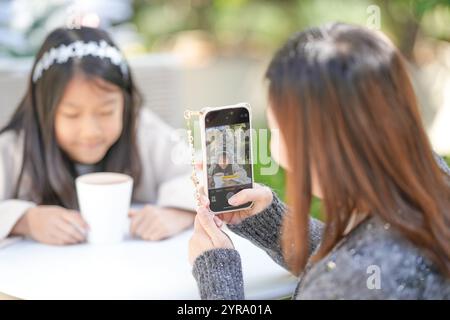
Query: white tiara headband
point(79, 49)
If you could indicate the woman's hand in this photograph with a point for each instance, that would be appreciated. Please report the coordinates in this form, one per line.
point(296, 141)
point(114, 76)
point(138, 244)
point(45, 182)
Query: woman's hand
point(261, 196)
point(207, 234)
point(156, 223)
point(52, 225)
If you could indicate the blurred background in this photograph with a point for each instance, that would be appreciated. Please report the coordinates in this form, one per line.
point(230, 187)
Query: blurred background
point(196, 53)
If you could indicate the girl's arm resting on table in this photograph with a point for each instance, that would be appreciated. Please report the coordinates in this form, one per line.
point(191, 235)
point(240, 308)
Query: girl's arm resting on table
point(218, 273)
point(264, 230)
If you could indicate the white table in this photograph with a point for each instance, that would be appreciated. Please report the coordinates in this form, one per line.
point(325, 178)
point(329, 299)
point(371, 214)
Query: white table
point(134, 269)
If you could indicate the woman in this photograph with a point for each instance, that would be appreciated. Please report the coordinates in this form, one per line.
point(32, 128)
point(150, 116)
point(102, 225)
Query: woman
point(350, 134)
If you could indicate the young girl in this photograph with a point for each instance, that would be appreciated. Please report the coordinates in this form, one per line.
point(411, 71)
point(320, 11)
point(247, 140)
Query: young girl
point(352, 135)
point(81, 113)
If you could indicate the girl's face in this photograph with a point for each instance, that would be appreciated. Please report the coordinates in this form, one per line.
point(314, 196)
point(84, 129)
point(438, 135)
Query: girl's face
point(88, 119)
point(279, 153)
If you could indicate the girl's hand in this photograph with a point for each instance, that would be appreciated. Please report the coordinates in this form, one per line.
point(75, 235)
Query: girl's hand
point(53, 225)
point(156, 223)
point(207, 234)
point(261, 196)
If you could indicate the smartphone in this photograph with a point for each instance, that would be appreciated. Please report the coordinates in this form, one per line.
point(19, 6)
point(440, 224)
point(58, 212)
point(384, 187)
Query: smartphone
point(227, 154)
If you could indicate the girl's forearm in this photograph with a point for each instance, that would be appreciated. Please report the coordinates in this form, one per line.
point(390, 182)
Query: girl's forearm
point(21, 228)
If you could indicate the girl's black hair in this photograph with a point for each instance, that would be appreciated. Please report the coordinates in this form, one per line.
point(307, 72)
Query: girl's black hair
point(50, 170)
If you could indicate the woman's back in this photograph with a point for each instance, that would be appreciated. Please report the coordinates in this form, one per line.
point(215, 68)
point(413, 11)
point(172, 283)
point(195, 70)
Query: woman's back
point(374, 261)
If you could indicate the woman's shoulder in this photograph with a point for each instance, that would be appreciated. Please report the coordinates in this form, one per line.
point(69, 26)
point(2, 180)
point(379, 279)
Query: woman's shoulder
point(377, 261)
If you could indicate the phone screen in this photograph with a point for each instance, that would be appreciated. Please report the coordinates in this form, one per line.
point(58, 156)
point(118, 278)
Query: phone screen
point(228, 156)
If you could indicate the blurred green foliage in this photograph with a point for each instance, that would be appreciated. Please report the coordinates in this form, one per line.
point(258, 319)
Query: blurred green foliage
point(262, 25)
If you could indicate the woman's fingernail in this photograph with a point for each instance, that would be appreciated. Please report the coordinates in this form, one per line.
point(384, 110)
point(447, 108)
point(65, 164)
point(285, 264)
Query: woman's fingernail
point(232, 200)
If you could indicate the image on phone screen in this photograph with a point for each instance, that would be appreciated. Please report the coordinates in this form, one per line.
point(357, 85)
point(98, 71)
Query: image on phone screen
point(228, 156)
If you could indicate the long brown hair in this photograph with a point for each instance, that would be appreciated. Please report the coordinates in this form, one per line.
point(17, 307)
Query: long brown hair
point(51, 171)
point(349, 113)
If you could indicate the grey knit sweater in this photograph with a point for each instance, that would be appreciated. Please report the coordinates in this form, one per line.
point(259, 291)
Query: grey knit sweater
point(374, 261)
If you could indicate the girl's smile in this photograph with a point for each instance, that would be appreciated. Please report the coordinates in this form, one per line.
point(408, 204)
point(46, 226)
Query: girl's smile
point(94, 150)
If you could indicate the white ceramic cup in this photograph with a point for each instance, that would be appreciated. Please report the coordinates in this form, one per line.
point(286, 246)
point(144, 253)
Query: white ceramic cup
point(104, 199)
